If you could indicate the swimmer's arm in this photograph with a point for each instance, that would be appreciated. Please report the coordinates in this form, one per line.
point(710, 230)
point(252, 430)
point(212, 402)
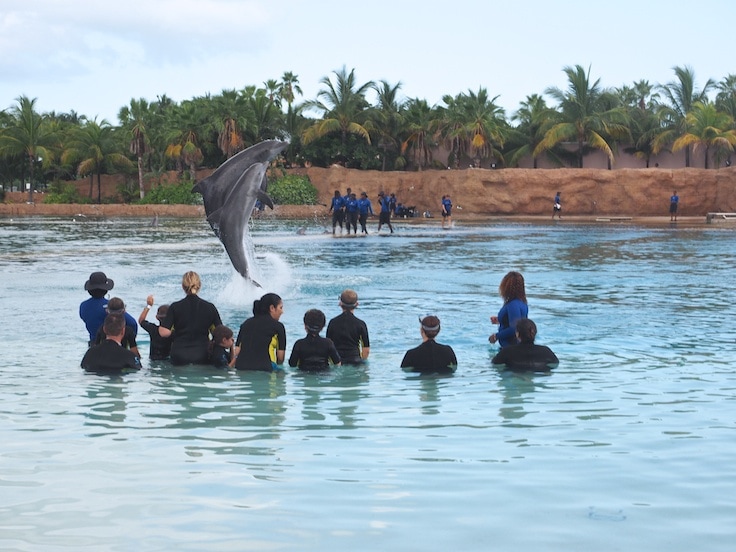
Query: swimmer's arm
point(164, 332)
point(280, 355)
point(365, 352)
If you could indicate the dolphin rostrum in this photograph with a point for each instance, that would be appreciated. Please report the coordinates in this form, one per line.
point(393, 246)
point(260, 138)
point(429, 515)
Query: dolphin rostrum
point(230, 194)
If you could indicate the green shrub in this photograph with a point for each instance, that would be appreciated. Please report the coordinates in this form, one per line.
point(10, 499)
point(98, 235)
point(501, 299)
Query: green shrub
point(177, 193)
point(293, 189)
point(60, 192)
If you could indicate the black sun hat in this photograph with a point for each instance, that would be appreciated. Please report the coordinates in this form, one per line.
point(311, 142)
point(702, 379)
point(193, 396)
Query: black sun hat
point(98, 280)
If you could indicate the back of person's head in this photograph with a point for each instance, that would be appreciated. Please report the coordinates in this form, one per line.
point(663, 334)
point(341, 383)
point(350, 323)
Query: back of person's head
point(430, 326)
point(221, 332)
point(512, 287)
point(526, 330)
point(337, 193)
point(162, 311)
point(115, 306)
point(264, 304)
point(114, 325)
point(348, 299)
point(314, 321)
point(190, 283)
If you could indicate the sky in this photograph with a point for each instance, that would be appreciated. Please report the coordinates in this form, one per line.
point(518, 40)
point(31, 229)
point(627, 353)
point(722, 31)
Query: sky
point(94, 56)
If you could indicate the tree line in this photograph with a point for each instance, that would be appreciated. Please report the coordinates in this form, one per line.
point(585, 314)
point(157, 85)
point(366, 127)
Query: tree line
point(388, 132)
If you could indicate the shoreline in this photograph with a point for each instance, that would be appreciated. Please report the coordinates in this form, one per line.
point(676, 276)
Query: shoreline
point(312, 212)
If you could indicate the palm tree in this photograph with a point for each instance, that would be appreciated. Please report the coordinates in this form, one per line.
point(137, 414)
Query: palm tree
point(708, 128)
point(134, 121)
point(229, 115)
point(388, 118)
point(587, 119)
point(95, 148)
point(680, 97)
point(640, 102)
point(343, 106)
point(535, 118)
point(420, 123)
point(272, 91)
point(289, 87)
point(482, 124)
point(27, 135)
point(183, 138)
point(266, 117)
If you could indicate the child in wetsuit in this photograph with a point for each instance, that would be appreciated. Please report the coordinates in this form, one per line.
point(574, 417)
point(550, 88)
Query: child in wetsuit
point(313, 353)
point(160, 346)
point(221, 347)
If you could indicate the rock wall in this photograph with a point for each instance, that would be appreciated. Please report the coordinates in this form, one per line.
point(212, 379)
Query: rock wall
point(623, 192)
point(524, 192)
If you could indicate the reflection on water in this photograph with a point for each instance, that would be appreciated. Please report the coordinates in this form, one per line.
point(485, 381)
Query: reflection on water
point(373, 458)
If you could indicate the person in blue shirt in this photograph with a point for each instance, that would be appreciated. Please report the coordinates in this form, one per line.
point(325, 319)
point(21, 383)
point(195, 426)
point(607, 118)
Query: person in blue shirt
point(674, 200)
point(446, 211)
point(364, 209)
point(392, 201)
point(351, 213)
point(336, 208)
point(557, 207)
point(94, 310)
point(384, 217)
point(514, 308)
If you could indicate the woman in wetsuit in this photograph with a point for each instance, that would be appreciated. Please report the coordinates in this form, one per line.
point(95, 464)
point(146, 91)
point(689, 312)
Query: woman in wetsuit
point(189, 322)
point(261, 343)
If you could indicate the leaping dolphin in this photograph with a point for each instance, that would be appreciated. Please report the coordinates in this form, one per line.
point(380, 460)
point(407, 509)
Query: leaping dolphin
point(230, 194)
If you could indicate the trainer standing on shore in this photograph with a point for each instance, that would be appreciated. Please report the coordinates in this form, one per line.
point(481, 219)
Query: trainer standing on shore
point(674, 201)
point(557, 208)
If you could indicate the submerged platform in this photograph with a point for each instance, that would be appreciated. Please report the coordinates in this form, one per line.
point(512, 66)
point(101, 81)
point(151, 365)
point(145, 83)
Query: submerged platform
point(720, 217)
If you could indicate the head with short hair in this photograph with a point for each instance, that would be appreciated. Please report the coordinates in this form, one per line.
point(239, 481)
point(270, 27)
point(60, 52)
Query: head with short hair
point(220, 333)
point(264, 304)
point(162, 311)
point(337, 193)
point(115, 306)
point(363, 194)
point(430, 326)
point(114, 325)
point(526, 329)
point(512, 287)
point(314, 321)
point(348, 299)
point(190, 283)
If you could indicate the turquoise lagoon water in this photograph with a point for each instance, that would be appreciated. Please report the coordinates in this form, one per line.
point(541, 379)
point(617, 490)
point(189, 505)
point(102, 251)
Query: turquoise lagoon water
point(628, 445)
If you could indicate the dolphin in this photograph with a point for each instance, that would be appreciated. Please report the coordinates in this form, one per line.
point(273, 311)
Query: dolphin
point(230, 194)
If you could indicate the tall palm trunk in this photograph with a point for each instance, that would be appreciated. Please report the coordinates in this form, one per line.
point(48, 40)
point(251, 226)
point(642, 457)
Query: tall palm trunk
point(140, 176)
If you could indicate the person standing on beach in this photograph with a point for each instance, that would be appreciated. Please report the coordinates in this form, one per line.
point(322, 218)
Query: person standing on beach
point(557, 207)
point(384, 217)
point(446, 211)
point(674, 201)
point(336, 208)
point(364, 209)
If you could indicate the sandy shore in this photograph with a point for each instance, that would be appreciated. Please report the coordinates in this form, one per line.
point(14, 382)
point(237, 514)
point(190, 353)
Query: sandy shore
point(312, 212)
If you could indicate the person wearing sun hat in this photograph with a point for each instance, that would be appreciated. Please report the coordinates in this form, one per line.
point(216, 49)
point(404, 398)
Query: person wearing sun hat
point(93, 310)
point(430, 357)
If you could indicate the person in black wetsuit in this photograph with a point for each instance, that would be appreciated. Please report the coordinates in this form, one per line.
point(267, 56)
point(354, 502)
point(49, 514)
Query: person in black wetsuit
point(349, 333)
point(160, 348)
point(189, 323)
point(430, 357)
point(314, 353)
point(261, 343)
point(526, 355)
point(116, 306)
point(110, 357)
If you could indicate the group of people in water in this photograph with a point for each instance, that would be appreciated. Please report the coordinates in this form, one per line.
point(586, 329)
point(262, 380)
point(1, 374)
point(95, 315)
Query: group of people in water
point(190, 331)
point(348, 210)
